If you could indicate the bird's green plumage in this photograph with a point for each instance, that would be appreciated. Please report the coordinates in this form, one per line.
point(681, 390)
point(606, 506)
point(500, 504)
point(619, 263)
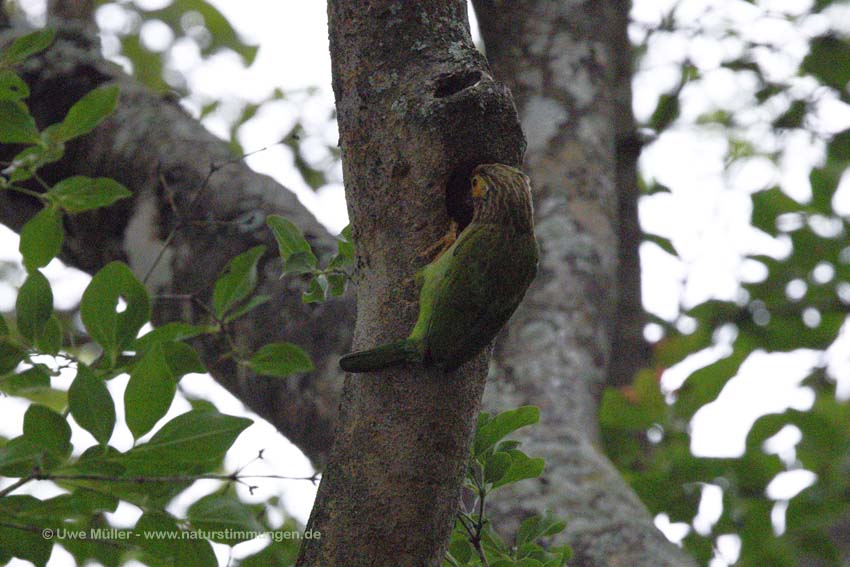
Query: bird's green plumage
point(471, 290)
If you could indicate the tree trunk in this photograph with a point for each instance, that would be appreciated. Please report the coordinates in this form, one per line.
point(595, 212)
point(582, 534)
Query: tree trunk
point(417, 110)
point(568, 66)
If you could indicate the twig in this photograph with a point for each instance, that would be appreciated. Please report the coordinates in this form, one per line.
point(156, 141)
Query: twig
point(159, 479)
point(14, 486)
point(233, 477)
point(182, 222)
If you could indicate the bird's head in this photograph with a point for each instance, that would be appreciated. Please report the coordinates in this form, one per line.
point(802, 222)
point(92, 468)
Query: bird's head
point(501, 194)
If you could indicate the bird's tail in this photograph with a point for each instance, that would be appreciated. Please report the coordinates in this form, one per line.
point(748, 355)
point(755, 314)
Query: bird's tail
point(380, 357)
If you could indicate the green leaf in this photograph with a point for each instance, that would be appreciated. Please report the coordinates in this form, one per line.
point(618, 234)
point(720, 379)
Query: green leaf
point(247, 307)
point(112, 330)
point(522, 467)
point(704, 385)
point(338, 262)
point(196, 438)
point(652, 188)
point(825, 433)
point(31, 158)
point(829, 61)
point(150, 530)
point(18, 126)
point(460, 547)
point(535, 527)
point(529, 530)
point(300, 263)
point(281, 360)
point(221, 33)
point(492, 541)
point(81, 503)
point(294, 249)
point(336, 284)
point(343, 258)
point(202, 405)
point(665, 112)
point(41, 239)
point(793, 117)
point(282, 551)
point(838, 149)
point(237, 280)
point(496, 465)
point(12, 87)
point(27, 45)
point(769, 204)
point(345, 246)
point(315, 178)
point(149, 392)
point(317, 291)
point(503, 424)
point(49, 340)
point(147, 65)
point(36, 378)
point(49, 431)
point(20, 457)
point(77, 194)
point(88, 112)
point(25, 544)
point(663, 243)
point(34, 385)
point(184, 551)
point(34, 305)
point(824, 186)
point(170, 332)
point(182, 359)
point(635, 407)
point(228, 519)
point(507, 445)
point(91, 404)
point(11, 354)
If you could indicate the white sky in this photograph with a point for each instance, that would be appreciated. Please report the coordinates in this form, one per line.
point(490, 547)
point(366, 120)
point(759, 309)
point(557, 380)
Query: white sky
point(706, 215)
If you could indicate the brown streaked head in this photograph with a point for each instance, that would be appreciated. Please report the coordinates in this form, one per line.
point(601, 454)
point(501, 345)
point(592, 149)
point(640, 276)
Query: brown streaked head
point(501, 194)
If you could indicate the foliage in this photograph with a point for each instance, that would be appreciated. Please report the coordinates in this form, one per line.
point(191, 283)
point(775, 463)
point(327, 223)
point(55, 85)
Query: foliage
point(298, 258)
point(494, 463)
point(165, 458)
point(800, 302)
point(196, 21)
point(197, 25)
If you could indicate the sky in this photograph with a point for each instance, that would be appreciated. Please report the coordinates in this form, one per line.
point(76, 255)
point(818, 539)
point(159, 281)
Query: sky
point(706, 215)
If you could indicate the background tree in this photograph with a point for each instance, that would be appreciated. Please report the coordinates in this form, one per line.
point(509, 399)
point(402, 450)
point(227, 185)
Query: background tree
point(571, 85)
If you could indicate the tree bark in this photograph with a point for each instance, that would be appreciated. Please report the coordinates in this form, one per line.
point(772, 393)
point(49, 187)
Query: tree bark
point(165, 158)
point(566, 63)
point(417, 110)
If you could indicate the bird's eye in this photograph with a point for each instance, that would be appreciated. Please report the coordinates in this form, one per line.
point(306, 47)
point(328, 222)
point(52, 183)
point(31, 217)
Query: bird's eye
point(478, 187)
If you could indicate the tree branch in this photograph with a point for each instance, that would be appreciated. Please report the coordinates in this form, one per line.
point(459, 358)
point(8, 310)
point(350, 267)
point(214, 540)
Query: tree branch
point(163, 156)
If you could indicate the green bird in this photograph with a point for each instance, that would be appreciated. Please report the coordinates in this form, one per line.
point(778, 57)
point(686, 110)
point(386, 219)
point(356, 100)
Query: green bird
point(472, 288)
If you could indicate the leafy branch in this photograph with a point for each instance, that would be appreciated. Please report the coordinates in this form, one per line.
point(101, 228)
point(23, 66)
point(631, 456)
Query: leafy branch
point(114, 308)
point(496, 462)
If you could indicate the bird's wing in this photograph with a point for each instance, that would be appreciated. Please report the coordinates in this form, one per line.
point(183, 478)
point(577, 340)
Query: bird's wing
point(480, 286)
